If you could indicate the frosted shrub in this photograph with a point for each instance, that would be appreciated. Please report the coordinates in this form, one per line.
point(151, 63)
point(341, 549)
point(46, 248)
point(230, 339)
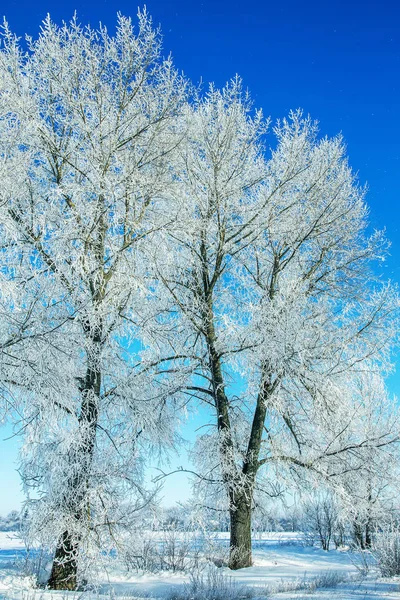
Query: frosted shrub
point(329, 579)
point(387, 550)
point(172, 551)
point(216, 552)
point(176, 550)
point(142, 555)
point(35, 563)
point(212, 584)
point(363, 560)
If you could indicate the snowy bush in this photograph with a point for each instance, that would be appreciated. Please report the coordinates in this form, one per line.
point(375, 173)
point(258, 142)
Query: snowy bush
point(142, 555)
point(170, 550)
point(212, 584)
point(328, 579)
point(363, 560)
point(215, 552)
point(177, 550)
point(386, 550)
point(35, 563)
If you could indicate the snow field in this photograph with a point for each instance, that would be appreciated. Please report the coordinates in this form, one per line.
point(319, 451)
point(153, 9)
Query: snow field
point(283, 570)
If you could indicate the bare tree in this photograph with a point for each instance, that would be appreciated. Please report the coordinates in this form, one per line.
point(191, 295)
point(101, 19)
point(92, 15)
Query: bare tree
point(321, 517)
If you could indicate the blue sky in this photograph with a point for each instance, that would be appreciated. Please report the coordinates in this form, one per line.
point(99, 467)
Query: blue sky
point(339, 61)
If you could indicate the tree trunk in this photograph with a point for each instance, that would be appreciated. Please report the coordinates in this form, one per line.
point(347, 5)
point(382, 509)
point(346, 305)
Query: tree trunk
point(369, 523)
point(358, 534)
point(241, 505)
point(368, 535)
point(64, 570)
point(240, 539)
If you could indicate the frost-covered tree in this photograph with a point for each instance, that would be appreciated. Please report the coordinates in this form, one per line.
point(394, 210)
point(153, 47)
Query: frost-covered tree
point(367, 500)
point(87, 133)
point(269, 270)
point(321, 518)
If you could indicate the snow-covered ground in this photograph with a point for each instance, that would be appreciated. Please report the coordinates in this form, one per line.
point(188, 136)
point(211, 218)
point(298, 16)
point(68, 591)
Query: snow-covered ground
point(283, 570)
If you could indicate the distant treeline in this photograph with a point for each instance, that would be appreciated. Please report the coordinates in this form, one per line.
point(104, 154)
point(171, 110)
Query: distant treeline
point(12, 522)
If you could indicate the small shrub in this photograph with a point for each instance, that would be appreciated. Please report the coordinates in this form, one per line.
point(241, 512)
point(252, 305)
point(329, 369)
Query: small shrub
point(321, 519)
point(216, 552)
point(328, 579)
point(386, 550)
point(172, 551)
point(212, 584)
point(363, 560)
point(175, 550)
point(308, 539)
point(142, 556)
point(34, 563)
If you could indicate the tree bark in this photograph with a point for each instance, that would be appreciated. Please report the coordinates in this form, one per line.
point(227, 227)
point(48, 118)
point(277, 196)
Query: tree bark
point(65, 567)
point(240, 538)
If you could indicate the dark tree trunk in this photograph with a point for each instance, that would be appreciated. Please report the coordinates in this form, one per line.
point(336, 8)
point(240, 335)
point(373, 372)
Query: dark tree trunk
point(369, 523)
point(64, 570)
point(358, 534)
point(240, 542)
point(368, 535)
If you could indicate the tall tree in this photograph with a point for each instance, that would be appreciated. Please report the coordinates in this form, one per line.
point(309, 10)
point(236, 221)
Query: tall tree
point(87, 136)
point(269, 269)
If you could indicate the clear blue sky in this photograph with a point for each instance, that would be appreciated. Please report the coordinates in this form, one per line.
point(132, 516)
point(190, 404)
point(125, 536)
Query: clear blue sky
point(339, 61)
